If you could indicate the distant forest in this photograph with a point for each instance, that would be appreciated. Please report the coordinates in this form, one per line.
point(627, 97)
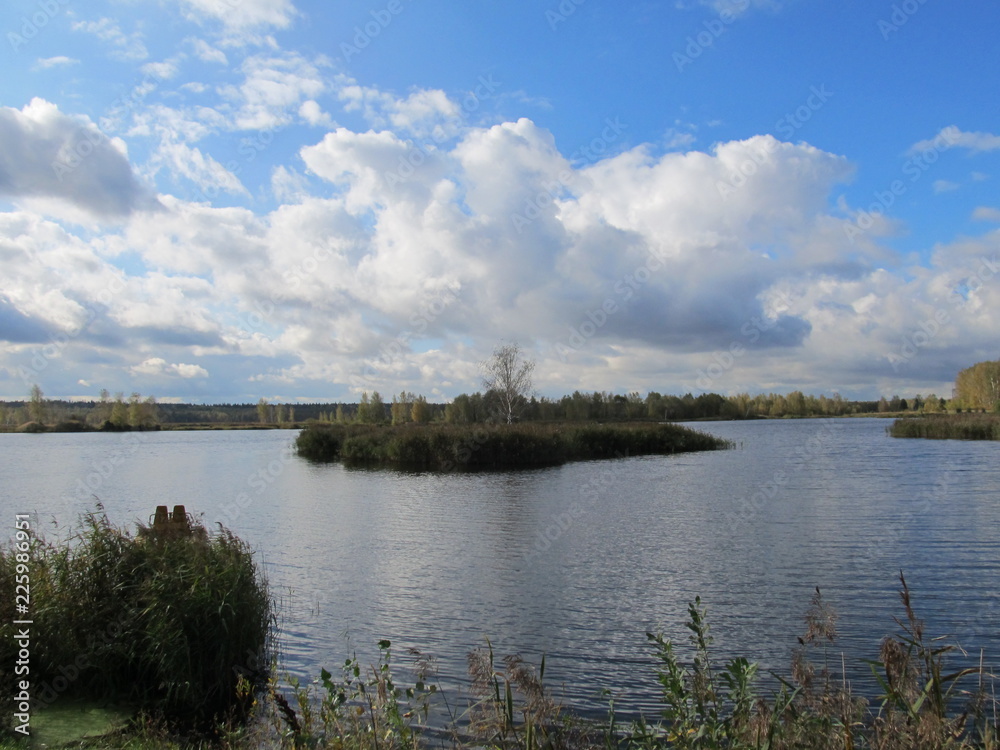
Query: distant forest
point(138, 412)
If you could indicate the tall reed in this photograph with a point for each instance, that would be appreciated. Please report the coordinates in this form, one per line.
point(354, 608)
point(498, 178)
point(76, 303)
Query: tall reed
point(949, 427)
point(172, 627)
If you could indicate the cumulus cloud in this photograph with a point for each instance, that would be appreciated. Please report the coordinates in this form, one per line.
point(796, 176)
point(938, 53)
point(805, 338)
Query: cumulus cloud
point(393, 263)
point(47, 154)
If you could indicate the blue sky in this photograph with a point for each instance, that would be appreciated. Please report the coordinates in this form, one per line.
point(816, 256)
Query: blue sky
point(218, 200)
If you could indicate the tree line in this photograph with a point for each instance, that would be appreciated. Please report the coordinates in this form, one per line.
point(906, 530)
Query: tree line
point(138, 412)
point(507, 396)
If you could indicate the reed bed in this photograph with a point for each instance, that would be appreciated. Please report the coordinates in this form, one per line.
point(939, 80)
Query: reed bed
point(948, 427)
point(177, 628)
point(450, 447)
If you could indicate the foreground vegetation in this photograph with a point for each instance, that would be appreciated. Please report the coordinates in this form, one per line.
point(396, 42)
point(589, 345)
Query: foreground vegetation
point(447, 447)
point(949, 427)
point(171, 623)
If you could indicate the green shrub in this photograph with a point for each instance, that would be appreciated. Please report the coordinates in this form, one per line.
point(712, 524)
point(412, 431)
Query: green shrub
point(320, 441)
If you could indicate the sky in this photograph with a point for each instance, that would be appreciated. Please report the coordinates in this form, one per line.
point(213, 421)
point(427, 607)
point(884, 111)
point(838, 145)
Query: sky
point(223, 200)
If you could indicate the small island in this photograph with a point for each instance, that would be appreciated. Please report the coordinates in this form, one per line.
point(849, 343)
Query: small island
point(443, 447)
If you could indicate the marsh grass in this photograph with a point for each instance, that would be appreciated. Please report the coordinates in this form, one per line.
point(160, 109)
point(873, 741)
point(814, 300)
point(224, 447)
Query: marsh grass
point(528, 445)
point(170, 627)
point(949, 427)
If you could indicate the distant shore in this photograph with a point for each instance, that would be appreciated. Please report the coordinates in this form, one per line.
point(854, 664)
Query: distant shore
point(72, 426)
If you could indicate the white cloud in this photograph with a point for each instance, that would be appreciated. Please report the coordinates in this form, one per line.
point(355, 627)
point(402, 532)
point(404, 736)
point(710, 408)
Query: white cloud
point(288, 186)
point(163, 70)
point(628, 272)
point(311, 112)
point(987, 213)
point(207, 53)
point(158, 366)
point(737, 7)
point(953, 137)
point(245, 14)
point(192, 164)
point(423, 113)
point(945, 186)
point(125, 47)
point(60, 61)
point(47, 154)
point(273, 89)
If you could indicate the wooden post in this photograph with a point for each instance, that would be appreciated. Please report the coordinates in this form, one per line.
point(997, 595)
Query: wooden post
point(180, 518)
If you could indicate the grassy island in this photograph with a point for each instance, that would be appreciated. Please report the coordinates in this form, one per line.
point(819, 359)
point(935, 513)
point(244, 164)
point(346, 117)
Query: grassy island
point(949, 427)
point(450, 447)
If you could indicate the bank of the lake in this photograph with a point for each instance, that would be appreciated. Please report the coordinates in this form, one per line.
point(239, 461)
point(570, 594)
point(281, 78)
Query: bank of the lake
point(443, 447)
point(948, 427)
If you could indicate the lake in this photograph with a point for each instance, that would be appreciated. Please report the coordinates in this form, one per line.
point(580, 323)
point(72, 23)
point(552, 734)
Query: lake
point(576, 562)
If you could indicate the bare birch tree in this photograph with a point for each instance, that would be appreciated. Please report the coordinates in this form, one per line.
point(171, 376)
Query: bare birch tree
point(507, 374)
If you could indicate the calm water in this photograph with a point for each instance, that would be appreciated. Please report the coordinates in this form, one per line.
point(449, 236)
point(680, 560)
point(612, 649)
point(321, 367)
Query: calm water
point(576, 562)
